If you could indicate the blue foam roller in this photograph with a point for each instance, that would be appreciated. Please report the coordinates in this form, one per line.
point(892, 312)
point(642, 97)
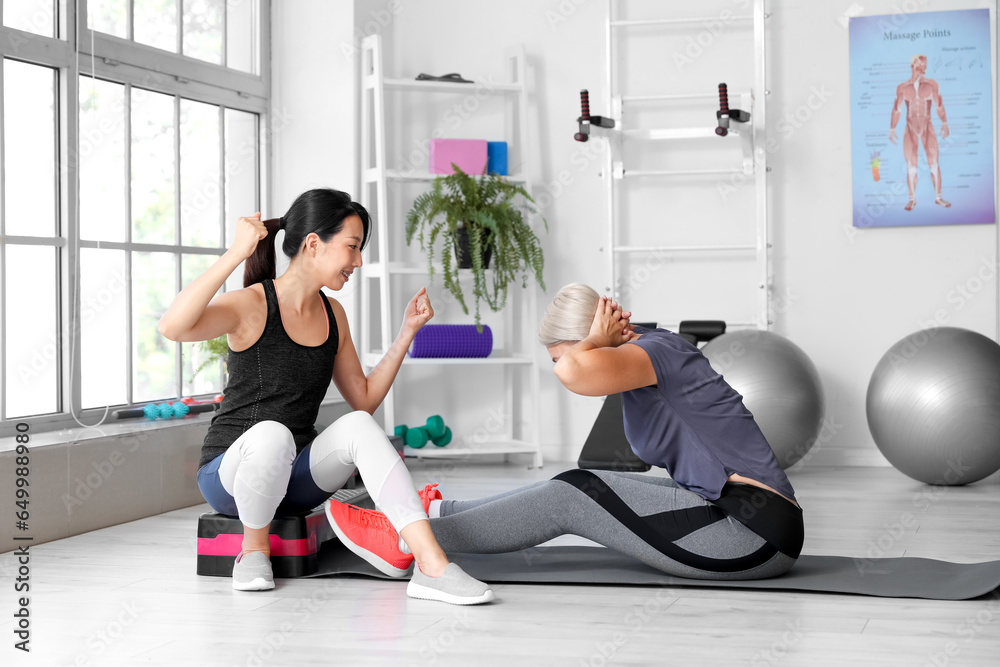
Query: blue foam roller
point(151, 411)
point(452, 341)
point(166, 410)
point(180, 409)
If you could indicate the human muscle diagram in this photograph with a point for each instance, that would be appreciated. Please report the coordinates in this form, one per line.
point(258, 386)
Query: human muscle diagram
point(921, 119)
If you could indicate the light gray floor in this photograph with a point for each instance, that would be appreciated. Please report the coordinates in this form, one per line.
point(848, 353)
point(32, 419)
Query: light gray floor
point(129, 595)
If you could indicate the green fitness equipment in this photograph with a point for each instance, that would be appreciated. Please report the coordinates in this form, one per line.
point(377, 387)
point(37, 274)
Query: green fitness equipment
point(434, 431)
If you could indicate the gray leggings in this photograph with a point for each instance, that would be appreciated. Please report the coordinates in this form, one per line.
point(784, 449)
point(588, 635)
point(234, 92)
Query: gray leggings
point(649, 518)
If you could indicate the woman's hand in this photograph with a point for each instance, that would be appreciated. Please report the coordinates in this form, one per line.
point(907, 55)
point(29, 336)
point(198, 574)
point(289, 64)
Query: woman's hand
point(249, 232)
point(610, 327)
point(418, 313)
point(590, 368)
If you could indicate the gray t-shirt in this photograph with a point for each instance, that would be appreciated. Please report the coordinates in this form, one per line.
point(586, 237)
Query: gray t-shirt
point(693, 424)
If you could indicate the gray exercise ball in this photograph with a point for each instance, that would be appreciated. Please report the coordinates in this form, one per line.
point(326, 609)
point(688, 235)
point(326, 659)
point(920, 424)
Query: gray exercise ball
point(933, 406)
point(779, 385)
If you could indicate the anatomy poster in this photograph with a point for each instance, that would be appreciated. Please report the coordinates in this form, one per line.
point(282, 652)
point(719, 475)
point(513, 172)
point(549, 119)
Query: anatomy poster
point(922, 119)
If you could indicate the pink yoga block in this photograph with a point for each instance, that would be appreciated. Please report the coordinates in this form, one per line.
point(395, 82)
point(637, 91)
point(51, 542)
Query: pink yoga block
point(469, 154)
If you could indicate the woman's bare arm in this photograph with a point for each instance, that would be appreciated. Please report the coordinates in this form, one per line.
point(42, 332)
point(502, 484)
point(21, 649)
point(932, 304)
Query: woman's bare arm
point(367, 392)
point(194, 315)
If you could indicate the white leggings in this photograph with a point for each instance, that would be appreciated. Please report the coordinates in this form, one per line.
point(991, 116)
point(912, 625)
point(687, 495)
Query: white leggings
point(260, 470)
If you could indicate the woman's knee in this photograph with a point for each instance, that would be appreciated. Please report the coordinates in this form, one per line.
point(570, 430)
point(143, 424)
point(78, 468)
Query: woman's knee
point(269, 441)
point(581, 481)
point(357, 431)
point(360, 421)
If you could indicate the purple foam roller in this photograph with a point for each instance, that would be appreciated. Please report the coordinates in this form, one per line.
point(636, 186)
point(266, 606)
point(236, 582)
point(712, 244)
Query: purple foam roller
point(452, 341)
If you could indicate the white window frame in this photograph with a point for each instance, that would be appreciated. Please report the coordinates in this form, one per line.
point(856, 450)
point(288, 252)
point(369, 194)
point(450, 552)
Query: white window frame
point(131, 64)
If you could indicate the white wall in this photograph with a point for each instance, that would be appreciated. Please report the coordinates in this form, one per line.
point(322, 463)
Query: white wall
point(314, 98)
point(312, 135)
point(855, 294)
point(844, 297)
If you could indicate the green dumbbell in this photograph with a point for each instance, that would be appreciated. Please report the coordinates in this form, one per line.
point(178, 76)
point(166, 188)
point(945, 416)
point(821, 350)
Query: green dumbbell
point(435, 427)
point(444, 439)
point(434, 430)
point(416, 437)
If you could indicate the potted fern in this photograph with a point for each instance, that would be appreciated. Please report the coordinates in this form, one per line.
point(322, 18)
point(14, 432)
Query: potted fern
point(216, 349)
point(480, 217)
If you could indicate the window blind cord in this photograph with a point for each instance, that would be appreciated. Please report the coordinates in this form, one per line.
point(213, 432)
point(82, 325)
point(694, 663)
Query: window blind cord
point(74, 306)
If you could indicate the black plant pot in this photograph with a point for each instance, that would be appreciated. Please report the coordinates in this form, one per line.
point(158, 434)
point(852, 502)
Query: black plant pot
point(462, 254)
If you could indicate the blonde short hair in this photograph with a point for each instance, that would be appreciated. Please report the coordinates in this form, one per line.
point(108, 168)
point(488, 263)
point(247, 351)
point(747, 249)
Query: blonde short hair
point(569, 316)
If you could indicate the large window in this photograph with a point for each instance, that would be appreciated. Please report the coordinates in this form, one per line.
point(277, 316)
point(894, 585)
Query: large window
point(125, 156)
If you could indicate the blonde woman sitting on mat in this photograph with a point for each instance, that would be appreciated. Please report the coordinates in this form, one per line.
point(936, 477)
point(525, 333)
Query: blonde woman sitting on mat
point(728, 511)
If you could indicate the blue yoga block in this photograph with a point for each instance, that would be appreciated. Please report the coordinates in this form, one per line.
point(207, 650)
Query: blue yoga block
point(496, 161)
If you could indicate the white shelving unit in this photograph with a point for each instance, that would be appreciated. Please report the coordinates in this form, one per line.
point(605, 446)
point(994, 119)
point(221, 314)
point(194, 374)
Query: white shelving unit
point(751, 137)
point(516, 436)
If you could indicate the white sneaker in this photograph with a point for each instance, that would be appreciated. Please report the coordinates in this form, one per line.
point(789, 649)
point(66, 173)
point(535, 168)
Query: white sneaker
point(454, 586)
point(252, 572)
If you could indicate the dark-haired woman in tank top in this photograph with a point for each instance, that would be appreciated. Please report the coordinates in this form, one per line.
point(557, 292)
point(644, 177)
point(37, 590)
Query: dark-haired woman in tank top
point(262, 455)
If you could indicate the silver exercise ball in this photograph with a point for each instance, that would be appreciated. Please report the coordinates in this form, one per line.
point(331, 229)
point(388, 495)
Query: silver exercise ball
point(779, 385)
point(934, 406)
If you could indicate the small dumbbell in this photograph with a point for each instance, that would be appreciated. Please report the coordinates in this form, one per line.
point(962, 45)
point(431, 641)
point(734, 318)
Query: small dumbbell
point(434, 431)
point(418, 437)
point(435, 427)
point(444, 439)
point(412, 437)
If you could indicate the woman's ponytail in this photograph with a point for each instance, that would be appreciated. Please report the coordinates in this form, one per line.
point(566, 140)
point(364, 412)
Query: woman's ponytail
point(261, 265)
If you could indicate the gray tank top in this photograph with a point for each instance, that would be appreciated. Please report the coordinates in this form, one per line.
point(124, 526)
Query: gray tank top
point(274, 379)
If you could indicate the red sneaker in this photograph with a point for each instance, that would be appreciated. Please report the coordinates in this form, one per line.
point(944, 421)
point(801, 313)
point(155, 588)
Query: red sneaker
point(427, 494)
point(370, 535)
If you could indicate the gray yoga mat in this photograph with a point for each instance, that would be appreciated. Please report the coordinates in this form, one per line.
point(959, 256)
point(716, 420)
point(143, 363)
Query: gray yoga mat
point(880, 577)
